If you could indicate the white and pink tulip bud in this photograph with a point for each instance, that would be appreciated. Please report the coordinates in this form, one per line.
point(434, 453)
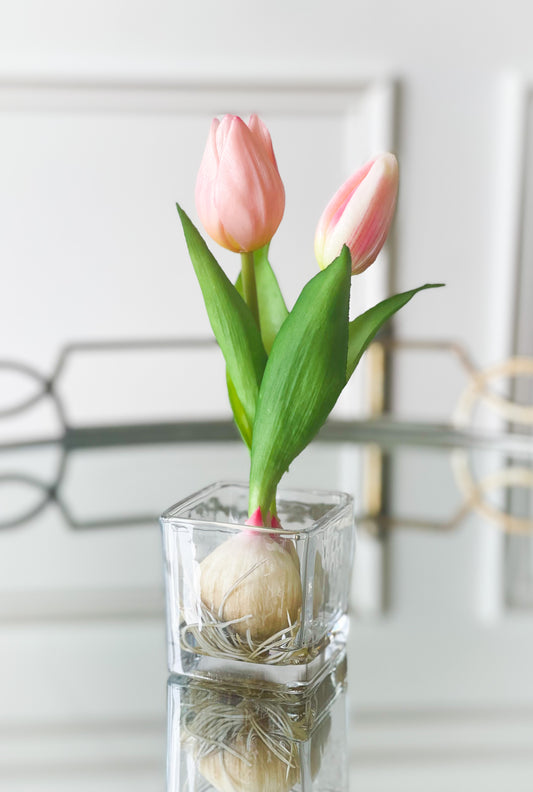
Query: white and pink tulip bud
point(359, 214)
point(240, 197)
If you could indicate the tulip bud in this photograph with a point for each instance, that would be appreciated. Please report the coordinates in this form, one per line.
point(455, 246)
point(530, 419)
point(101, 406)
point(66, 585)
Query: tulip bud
point(239, 193)
point(359, 214)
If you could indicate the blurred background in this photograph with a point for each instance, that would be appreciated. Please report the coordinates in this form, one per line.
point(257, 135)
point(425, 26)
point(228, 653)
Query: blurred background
point(112, 394)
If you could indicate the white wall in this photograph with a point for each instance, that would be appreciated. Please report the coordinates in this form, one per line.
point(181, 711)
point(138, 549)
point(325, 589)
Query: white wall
point(104, 109)
point(448, 60)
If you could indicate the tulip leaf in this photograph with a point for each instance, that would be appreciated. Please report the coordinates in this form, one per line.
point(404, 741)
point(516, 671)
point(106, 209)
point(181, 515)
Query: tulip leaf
point(272, 308)
point(241, 420)
point(232, 323)
point(272, 314)
point(364, 327)
point(304, 375)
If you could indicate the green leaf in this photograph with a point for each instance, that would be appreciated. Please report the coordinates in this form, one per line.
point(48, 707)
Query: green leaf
point(272, 313)
point(272, 308)
point(241, 420)
point(364, 328)
point(303, 378)
point(232, 322)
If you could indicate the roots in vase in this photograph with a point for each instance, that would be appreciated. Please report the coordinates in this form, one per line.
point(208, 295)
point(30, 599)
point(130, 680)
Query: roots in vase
point(219, 639)
point(243, 747)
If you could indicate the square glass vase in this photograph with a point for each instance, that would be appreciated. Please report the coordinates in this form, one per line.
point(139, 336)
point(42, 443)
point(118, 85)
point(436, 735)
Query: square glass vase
point(264, 605)
point(222, 738)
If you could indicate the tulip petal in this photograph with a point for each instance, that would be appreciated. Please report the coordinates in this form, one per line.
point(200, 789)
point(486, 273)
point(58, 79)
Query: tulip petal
point(262, 136)
point(239, 193)
point(205, 186)
point(249, 195)
point(359, 214)
point(338, 203)
point(330, 215)
point(366, 220)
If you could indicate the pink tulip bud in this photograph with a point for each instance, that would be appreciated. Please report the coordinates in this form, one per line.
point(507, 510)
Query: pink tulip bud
point(359, 214)
point(239, 193)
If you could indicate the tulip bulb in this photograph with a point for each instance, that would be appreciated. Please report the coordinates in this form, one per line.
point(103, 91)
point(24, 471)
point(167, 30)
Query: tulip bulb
point(248, 767)
point(255, 578)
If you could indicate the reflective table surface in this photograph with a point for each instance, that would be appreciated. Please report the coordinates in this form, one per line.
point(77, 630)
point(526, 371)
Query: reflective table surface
point(438, 690)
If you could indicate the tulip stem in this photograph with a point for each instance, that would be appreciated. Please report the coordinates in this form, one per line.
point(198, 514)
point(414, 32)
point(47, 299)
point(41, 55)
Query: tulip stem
point(249, 285)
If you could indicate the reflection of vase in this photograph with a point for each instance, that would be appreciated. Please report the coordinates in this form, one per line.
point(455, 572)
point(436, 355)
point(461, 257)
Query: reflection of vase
point(238, 743)
point(263, 604)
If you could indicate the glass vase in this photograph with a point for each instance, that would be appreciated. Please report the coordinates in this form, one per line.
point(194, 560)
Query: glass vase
point(222, 739)
point(264, 605)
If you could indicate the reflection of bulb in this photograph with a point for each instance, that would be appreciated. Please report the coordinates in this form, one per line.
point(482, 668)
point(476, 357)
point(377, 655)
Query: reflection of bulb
point(244, 744)
point(252, 577)
point(248, 765)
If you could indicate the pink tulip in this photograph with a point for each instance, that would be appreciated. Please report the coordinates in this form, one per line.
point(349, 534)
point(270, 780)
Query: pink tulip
point(359, 214)
point(239, 193)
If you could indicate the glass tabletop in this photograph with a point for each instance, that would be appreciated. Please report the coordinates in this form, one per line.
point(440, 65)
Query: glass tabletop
point(438, 690)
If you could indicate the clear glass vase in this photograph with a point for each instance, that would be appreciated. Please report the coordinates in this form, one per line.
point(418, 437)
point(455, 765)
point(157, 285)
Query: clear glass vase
point(222, 739)
point(262, 604)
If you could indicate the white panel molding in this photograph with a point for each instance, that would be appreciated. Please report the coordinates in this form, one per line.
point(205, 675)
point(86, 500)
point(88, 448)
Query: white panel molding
point(507, 230)
point(214, 95)
point(509, 191)
point(510, 305)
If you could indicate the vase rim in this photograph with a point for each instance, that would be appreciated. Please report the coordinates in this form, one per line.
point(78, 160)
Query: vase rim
point(339, 501)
